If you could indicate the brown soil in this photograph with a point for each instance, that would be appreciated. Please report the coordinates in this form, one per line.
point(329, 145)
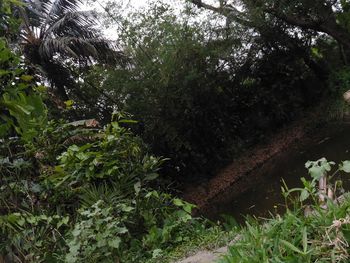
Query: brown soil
point(250, 160)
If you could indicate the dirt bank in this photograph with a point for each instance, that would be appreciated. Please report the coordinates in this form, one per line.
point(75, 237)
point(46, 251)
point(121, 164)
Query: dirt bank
point(249, 161)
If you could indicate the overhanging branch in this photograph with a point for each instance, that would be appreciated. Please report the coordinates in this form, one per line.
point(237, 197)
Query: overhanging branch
point(224, 9)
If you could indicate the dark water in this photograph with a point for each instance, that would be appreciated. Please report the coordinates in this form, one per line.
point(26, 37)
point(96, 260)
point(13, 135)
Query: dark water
point(260, 192)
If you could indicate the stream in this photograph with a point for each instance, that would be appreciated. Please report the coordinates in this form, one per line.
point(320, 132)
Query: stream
point(259, 193)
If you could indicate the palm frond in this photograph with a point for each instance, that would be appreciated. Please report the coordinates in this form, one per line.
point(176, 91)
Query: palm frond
point(61, 7)
point(37, 11)
point(36, 14)
point(39, 7)
point(50, 46)
point(56, 31)
point(74, 24)
point(68, 32)
point(106, 51)
point(82, 47)
point(70, 47)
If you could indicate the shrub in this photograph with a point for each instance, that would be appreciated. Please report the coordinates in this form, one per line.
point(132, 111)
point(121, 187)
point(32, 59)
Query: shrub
point(96, 202)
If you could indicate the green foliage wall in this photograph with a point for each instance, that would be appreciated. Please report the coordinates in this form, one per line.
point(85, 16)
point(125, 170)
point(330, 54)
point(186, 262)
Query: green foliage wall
point(200, 95)
point(22, 110)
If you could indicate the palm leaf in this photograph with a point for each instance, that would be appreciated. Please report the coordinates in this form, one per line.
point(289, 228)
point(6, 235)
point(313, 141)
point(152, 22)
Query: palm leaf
point(56, 31)
point(106, 51)
point(82, 47)
point(37, 11)
point(39, 7)
point(50, 46)
point(73, 23)
point(60, 7)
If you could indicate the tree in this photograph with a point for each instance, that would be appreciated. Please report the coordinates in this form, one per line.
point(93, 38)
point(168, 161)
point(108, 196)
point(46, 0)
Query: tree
point(199, 92)
point(55, 32)
point(318, 15)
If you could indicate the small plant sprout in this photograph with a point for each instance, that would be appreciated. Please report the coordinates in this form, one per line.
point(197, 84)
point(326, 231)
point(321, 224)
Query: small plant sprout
point(318, 171)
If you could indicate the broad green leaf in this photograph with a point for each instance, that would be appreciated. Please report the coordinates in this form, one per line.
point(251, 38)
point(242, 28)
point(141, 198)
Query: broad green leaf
point(122, 230)
point(188, 207)
point(21, 221)
point(69, 104)
point(151, 177)
point(304, 195)
point(345, 166)
point(13, 218)
point(156, 253)
point(76, 232)
point(115, 243)
point(126, 208)
point(41, 88)
point(316, 172)
point(27, 78)
point(178, 202)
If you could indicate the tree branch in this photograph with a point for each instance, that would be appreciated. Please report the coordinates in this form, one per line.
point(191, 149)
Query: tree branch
point(295, 21)
point(224, 9)
point(326, 23)
point(200, 4)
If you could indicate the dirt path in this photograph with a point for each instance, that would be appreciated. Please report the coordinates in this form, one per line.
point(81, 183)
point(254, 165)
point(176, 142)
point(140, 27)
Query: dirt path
point(206, 256)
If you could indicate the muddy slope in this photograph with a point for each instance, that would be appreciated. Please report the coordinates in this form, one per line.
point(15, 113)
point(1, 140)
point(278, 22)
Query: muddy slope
point(249, 161)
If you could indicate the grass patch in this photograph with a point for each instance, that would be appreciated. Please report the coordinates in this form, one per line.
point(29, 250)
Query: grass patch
point(315, 229)
point(203, 236)
point(321, 237)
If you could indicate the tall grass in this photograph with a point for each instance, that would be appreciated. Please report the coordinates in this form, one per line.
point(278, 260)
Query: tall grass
point(320, 237)
point(316, 229)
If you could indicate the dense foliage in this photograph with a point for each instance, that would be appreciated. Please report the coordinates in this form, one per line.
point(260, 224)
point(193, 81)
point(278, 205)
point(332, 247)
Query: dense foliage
point(73, 182)
point(21, 105)
point(83, 119)
point(74, 192)
point(201, 94)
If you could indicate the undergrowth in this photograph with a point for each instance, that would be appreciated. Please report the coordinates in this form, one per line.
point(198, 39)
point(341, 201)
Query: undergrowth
point(315, 227)
point(82, 194)
point(203, 237)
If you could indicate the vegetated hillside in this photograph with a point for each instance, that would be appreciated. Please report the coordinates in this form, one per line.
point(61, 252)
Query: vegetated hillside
point(92, 131)
point(203, 90)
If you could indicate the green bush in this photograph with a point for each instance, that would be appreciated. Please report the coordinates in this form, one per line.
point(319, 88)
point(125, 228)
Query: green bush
point(98, 200)
point(22, 110)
